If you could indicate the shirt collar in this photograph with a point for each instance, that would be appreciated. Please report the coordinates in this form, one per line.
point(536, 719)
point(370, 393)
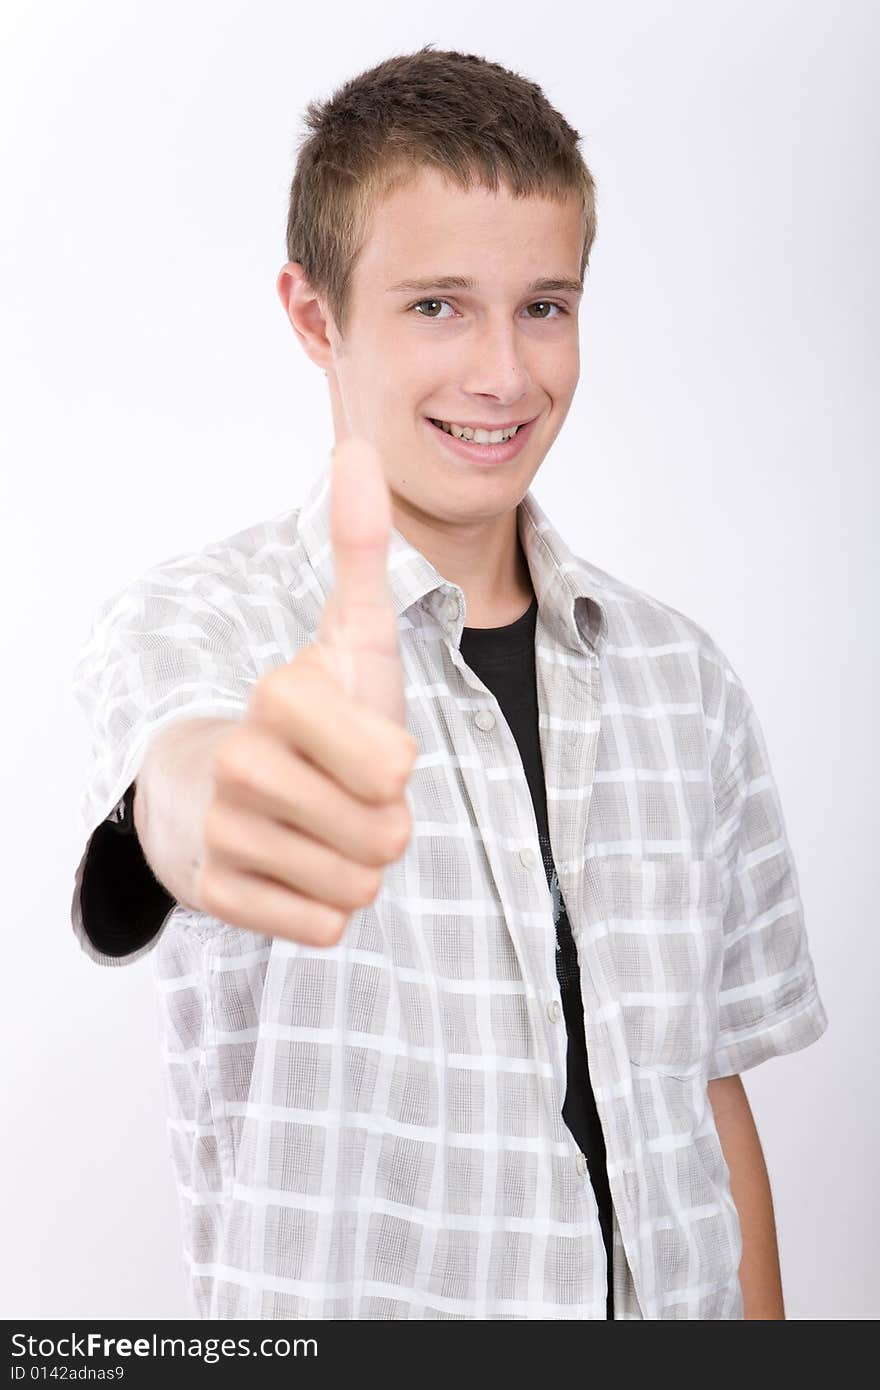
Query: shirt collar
point(572, 599)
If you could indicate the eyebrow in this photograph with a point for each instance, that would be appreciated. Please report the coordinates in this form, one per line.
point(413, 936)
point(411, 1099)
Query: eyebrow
point(462, 282)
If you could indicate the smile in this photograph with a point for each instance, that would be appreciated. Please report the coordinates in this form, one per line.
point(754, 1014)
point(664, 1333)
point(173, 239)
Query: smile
point(480, 446)
point(475, 433)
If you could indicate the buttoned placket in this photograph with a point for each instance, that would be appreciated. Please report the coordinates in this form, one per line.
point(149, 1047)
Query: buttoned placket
point(581, 754)
point(539, 967)
point(447, 608)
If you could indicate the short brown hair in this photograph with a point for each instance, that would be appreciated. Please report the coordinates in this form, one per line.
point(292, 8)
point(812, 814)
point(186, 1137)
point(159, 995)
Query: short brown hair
point(473, 120)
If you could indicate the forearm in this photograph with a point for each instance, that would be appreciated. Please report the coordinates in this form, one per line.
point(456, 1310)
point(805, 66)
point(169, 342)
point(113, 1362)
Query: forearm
point(172, 791)
point(759, 1272)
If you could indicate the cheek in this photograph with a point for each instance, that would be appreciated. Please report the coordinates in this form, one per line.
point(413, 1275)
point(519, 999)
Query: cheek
point(556, 365)
point(567, 371)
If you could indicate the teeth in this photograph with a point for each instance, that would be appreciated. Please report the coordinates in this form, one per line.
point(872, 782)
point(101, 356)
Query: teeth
point(477, 436)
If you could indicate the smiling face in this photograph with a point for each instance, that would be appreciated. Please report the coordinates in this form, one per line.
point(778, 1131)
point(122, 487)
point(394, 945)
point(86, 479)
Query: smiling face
point(418, 347)
point(463, 309)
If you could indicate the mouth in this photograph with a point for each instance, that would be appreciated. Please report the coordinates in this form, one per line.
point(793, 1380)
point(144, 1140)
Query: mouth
point(482, 452)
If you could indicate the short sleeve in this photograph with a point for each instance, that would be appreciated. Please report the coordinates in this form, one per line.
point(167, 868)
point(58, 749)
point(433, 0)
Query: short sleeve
point(169, 646)
point(769, 1002)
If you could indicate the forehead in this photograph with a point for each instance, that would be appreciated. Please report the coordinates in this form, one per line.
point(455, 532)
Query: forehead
point(431, 226)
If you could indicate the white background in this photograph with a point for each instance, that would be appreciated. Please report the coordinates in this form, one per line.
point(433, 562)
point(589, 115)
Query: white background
point(717, 455)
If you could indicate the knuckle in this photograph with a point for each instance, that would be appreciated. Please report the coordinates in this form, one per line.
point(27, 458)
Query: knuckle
point(384, 834)
point(232, 761)
point(399, 844)
point(277, 690)
point(394, 835)
point(400, 766)
point(362, 886)
point(390, 782)
point(328, 930)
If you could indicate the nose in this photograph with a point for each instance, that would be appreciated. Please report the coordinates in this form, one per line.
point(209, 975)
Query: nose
point(496, 365)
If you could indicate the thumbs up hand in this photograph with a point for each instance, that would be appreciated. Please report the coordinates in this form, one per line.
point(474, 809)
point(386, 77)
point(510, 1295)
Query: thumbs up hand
point(308, 789)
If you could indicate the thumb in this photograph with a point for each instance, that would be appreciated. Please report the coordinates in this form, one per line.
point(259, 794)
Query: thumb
point(358, 631)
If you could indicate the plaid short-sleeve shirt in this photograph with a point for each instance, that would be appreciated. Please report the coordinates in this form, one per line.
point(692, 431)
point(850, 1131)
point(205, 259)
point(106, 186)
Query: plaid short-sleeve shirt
point(374, 1130)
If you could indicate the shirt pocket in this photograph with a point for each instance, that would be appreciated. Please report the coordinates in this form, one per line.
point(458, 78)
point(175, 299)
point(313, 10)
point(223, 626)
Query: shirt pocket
point(664, 920)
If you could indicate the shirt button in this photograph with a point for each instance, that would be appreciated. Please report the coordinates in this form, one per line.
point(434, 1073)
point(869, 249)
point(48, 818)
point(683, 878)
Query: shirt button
point(527, 857)
point(554, 1011)
point(450, 608)
point(484, 719)
point(581, 1162)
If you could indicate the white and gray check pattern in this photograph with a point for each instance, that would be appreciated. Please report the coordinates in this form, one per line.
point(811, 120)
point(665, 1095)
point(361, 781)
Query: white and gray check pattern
point(374, 1130)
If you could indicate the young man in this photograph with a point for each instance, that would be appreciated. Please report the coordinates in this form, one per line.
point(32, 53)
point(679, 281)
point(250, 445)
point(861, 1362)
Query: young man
point(460, 861)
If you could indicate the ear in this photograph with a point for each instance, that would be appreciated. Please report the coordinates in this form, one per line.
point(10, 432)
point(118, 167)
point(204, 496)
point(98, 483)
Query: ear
point(311, 323)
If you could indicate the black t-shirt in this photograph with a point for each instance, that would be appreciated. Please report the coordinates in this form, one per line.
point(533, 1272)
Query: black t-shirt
point(124, 905)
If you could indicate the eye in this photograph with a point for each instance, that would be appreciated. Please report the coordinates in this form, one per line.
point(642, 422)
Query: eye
point(547, 304)
point(429, 301)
